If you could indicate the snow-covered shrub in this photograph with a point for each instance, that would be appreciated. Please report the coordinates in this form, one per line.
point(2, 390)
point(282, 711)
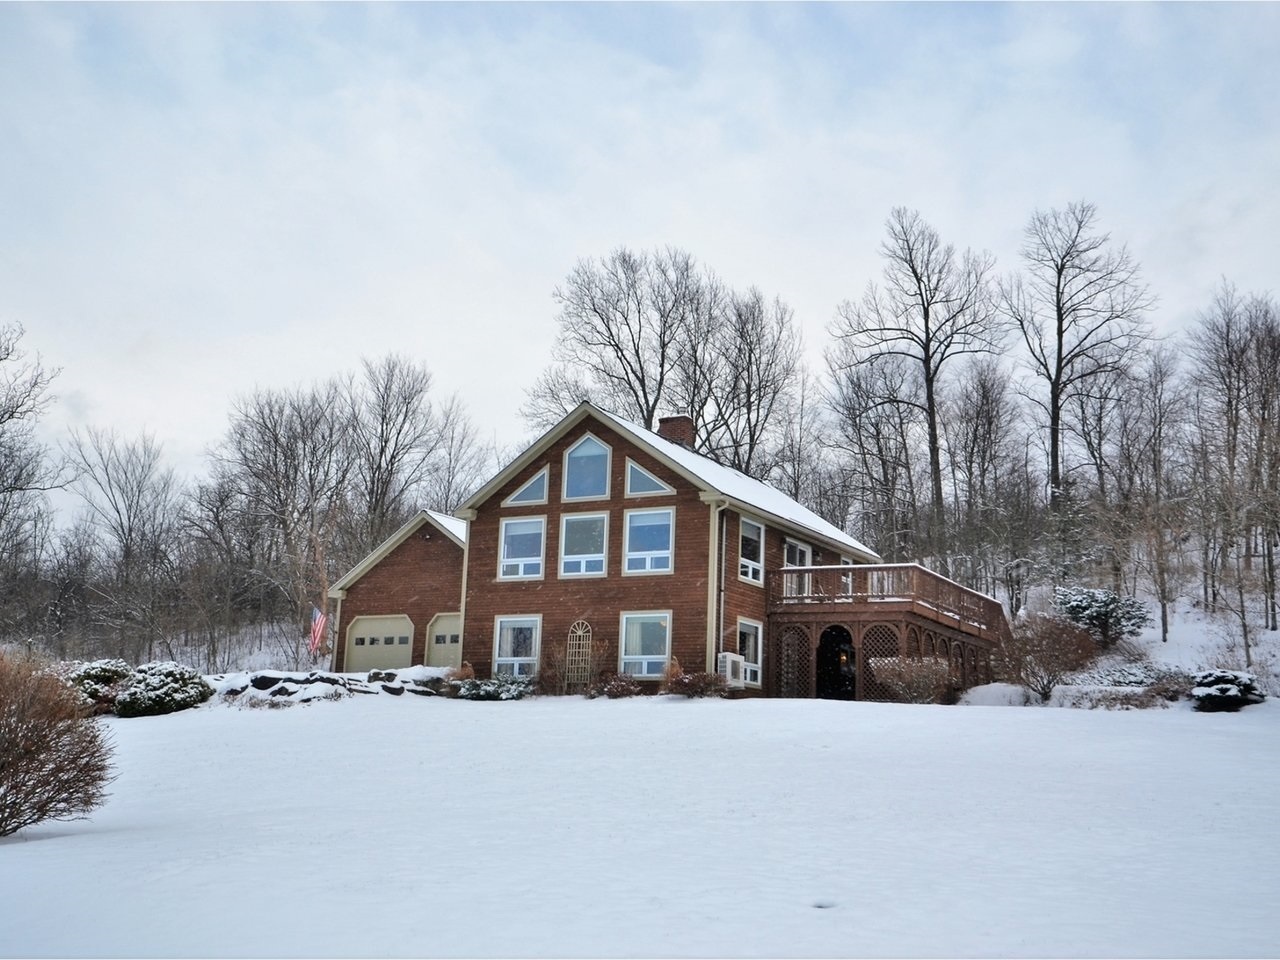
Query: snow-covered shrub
point(162, 687)
point(615, 686)
point(1225, 690)
point(55, 763)
point(1104, 613)
point(498, 688)
point(912, 679)
point(99, 682)
point(1042, 651)
point(696, 685)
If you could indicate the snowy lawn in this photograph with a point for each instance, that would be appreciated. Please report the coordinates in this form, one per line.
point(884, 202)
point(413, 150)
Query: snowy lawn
point(383, 826)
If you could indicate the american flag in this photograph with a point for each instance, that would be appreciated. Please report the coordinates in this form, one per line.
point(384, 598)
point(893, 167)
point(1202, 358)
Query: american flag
point(318, 622)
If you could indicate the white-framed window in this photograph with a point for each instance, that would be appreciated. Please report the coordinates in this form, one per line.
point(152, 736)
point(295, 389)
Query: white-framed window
point(751, 551)
point(584, 540)
point(751, 649)
point(534, 491)
point(515, 645)
point(846, 579)
point(796, 554)
point(646, 644)
point(586, 470)
point(648, 539)
point(642, 483)
point(523, 540)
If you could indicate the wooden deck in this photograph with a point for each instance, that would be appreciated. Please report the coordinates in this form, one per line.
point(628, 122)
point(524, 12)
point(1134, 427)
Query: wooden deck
point(873, 612)
point(886, 591)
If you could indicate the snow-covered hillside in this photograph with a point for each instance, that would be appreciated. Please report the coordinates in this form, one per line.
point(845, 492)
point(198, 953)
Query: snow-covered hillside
point(403, 826)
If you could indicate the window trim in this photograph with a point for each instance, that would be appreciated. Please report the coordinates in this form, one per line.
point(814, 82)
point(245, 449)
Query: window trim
point(626, 542)
point(622, 644)
point(748, 665)
point(759, 564)
point(666, 491)
point(564, 471)
point(536, 618)
point(546, 490)
point(542, 557)
point(603, 555)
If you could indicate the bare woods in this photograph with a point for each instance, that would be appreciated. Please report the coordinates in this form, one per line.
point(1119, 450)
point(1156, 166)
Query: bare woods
point(1005, 424)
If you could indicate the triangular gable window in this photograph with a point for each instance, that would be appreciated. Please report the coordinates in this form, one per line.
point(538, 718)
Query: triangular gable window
point(535, 491)
point(642, 483)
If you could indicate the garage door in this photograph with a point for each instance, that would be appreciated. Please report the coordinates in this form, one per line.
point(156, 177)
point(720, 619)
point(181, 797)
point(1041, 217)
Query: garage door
point(379, 643)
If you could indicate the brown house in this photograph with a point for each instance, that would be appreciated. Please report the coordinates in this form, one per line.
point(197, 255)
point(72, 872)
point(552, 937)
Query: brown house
point(605, 547)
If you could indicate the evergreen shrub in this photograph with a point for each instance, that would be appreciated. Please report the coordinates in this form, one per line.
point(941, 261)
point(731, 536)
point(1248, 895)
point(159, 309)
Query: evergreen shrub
point(1216, 691)
point(159, 688)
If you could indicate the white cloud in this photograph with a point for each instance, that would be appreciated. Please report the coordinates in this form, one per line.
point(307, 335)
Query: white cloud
point(205, 199)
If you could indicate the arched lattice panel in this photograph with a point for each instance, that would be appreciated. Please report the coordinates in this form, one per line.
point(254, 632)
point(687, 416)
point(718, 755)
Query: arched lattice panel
point(971, 673)
point(793, 659)
point(577, 661)
point(930, 644)
point(957, 664)
point(879, 647)
point(913, 642)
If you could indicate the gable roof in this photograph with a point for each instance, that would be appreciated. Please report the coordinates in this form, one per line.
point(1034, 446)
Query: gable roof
point(745, 493)
point(451, 527)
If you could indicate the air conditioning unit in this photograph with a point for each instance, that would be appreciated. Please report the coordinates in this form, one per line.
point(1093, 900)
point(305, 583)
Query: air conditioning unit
point(731, 667)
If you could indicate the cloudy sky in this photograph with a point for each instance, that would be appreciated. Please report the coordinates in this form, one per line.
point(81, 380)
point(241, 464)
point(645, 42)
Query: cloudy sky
point(199, 199)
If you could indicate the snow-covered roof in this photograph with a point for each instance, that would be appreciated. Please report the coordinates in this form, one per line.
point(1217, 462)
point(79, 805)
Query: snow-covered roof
point(452, 527)
point(737, 486)
point(744, 492)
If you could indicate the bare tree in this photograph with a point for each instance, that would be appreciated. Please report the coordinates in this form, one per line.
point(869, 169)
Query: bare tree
point(289, 453)
point(26, 472)
point(461, 462)
point(877, 421)
point(619, 321)
point(759, 352)
point(933, 307)
point(1079, 307)
point(132, 503)
point(395, 436)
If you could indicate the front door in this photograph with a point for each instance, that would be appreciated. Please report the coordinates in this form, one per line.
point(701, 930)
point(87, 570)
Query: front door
point(835, 673)
point(444, 641)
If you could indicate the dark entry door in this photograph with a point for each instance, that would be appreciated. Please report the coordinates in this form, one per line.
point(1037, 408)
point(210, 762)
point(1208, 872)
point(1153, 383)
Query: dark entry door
point(835, 670)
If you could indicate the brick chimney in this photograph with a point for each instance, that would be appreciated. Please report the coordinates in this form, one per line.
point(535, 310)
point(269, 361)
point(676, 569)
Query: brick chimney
point(678, 429)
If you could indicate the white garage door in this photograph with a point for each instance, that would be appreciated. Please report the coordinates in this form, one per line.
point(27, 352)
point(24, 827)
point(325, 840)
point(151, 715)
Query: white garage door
point(379, 643)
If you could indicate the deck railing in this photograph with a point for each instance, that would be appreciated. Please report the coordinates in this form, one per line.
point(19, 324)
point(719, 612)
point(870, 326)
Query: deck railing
point(928, 593)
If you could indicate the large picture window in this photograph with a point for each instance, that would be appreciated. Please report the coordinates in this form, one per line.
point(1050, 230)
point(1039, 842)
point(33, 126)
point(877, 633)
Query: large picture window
point(522, 543)
point(586, 470)
point(750, 646)
point(583, 539)
point(515, 647)
point(646, 644)
point(751, 551)
point(648, 541)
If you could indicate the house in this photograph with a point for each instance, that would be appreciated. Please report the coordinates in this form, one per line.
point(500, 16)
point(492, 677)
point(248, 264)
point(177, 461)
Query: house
point(402, 604)
point(604, 547)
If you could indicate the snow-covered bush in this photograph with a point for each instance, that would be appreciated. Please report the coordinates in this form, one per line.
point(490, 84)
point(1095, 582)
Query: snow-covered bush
point(162, 687)
point(55, 763)
point(696, 685)
point(497, 688)
point(615, 686)
point(1104, 613)
point(912, 679)
point(1225, 690)
point(99, 682)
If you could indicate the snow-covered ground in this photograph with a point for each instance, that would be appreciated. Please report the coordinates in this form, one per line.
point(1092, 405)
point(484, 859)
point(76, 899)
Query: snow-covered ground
point(407, 826)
